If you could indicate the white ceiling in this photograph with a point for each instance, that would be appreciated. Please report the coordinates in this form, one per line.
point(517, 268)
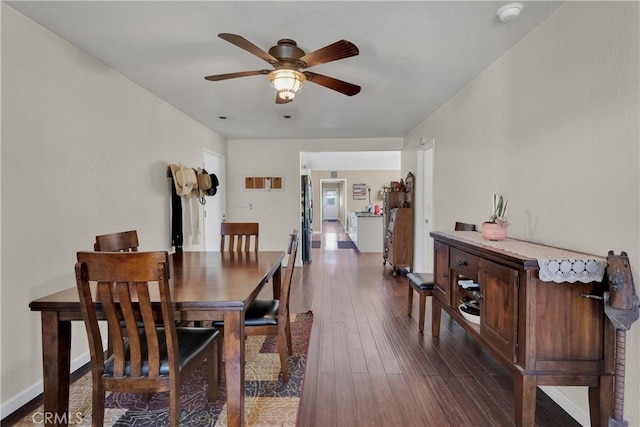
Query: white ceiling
point(414, 56)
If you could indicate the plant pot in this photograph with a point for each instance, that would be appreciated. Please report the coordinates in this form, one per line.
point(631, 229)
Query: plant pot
point(493, 231)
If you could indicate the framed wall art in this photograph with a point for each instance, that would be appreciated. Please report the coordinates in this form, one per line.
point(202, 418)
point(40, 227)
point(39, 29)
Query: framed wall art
point(359, 191)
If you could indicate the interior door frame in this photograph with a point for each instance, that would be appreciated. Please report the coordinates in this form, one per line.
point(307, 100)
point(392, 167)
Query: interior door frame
point(424, 212)
point(342, 210)
point(212, 232)
point(337, 193)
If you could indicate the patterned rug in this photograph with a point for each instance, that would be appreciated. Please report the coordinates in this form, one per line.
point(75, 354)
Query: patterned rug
point(268, 401)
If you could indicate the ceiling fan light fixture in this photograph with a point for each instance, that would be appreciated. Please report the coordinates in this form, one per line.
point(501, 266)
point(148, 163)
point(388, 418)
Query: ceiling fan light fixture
point(287, 82)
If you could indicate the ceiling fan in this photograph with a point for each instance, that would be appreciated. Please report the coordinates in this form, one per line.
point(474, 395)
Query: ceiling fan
point(288, 59)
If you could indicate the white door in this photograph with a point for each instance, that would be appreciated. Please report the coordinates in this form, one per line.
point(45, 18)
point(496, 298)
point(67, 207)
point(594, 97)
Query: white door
point(423, 261)
point(330, 204)
point(214, 208)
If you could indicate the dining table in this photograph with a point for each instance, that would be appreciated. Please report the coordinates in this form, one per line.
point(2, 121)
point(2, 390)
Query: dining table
point(203, 285)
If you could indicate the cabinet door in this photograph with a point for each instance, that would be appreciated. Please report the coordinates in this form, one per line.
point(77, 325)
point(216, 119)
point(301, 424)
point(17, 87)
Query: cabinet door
point(441, 274)
point(499, 307)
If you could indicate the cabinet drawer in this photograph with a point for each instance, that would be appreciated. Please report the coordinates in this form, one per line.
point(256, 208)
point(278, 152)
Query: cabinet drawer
point(464, 263)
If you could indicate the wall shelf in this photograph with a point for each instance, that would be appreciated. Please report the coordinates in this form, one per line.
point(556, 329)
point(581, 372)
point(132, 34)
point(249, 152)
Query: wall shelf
point(263, 183)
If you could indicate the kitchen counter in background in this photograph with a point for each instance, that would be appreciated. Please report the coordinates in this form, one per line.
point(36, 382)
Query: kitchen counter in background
point(366, 231)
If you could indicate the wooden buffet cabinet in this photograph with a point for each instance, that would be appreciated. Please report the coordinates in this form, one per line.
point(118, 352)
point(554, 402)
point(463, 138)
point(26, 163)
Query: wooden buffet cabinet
point(398, 225)
point(544, 333)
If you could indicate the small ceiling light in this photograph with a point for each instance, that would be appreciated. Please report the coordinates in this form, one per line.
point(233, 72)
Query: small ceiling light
point(509, 12)
point(287, 82)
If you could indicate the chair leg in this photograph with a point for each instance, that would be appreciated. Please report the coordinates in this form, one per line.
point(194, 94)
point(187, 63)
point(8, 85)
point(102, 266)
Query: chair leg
point(409, 300)
point(288, 332)
point(213, 368)
point(423, 302)
point(220, 357)
point(282, 349)
point(174, 401)
point(97, 404)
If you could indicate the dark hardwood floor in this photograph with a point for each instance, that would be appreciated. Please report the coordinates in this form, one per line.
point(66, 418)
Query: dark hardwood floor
point(369, 366)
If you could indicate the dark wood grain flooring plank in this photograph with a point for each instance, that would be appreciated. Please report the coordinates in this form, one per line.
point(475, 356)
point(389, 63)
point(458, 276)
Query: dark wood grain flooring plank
point(430, 412)
point(458, 406)
point(356, 352)
point(326, 361)
point(326, 401)
point(386, 403)
point(490, 409)
point(371, 355)
point(346, 404)
point(367, 408)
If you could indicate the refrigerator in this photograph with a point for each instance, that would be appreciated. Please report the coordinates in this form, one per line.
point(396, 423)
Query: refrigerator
point(306, 198)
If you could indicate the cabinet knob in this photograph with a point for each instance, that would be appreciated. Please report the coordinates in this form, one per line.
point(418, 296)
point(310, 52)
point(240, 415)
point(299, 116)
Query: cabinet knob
point(445, 275)
point(462, 263)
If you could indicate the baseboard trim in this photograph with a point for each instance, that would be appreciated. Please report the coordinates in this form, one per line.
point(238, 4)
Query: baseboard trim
point(31, 397)
point(576, 412)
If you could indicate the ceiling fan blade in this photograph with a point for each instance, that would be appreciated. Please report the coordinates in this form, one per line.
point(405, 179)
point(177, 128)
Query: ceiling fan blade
point(338, 50)
point(346, 88)
point(282, 101)
point(218, 77)
point(245, 44)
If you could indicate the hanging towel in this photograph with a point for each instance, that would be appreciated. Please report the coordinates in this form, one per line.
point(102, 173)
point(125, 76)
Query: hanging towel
point(176, 218)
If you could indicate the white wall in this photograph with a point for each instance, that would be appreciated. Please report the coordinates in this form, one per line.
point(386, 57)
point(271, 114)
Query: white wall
point(84, 152)
point(554, 125)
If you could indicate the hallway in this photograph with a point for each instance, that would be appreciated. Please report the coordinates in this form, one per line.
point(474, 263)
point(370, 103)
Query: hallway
point(369, 366)
point(332, 233)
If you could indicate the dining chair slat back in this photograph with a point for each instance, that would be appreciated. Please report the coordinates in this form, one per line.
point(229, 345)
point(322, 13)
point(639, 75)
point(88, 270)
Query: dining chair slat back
point(237, 236)
point(463, 226)
point(124, 241)
point(152, 354)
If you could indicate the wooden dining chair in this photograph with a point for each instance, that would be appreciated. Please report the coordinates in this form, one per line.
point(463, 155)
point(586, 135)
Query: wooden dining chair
point(271, 316)
point(463, 226)
point(124, 241)
point(149, 359)
point(237, 236)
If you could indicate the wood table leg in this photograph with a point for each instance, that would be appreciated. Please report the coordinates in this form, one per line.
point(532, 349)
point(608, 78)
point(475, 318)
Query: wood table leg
point(276, 280)
point(234, 366)
point(525, 397)
point(436, 314)
point(56, 353)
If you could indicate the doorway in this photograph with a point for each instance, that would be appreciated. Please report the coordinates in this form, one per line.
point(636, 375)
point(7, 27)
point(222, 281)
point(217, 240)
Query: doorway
point(339, 185)
point(330, 204)
point(214, 208)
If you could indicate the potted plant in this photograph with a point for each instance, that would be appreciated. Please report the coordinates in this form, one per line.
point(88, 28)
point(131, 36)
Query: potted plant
point(496, 227)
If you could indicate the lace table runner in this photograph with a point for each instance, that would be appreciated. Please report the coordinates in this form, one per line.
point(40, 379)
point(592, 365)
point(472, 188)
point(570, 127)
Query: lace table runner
point(556, 265)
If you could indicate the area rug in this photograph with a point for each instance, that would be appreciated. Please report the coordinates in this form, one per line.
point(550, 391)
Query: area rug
point(346, 244)
point(268, 401)
point(316, 244)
